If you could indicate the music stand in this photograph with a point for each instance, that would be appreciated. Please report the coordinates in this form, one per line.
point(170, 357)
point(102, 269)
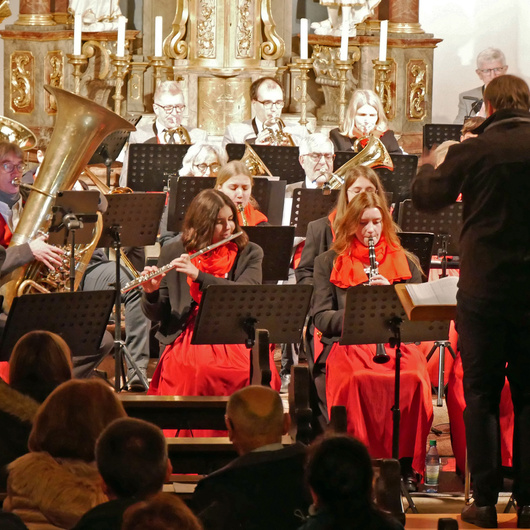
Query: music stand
point(151, 165)
point(131, 220)
point(309, 205)
point(79, 318)
point(277, 245)
point(374, 314)
point(420, 244)
point(254, 315)
point(111, 147)
point(281, 160)
point(445, 224)
point(436, 133)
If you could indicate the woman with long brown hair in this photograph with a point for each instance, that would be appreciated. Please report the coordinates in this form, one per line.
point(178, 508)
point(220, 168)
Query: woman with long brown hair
point(184, 368)
point(352, 378)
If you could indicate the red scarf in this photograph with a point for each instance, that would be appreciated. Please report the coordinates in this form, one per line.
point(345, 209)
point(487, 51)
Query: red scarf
point(348, 269)
point(217, 262)
point(331, 218)
point(254, 217)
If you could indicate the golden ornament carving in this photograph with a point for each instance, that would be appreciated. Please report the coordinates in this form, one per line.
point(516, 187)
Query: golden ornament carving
point(273, 47)
point(385, 85)
point(206, 29)
point(22, 95)
point(103, 59)
point(244, 30)
point(175, 46)
point(5, 11)
point(416, 87)
point(53, 76)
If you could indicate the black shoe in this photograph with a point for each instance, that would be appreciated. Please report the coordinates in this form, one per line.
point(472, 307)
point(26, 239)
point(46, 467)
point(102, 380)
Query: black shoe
point(483, 516)
point(523, 516)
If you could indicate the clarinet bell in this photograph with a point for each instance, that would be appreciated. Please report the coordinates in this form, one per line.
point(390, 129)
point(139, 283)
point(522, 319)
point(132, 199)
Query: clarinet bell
point(381, 357)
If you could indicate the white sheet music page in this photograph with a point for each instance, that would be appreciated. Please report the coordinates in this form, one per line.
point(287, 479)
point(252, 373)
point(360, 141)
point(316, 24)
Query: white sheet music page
point(439, 292)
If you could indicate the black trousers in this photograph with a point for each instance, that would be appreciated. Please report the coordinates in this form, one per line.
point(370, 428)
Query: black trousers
point(495, 342)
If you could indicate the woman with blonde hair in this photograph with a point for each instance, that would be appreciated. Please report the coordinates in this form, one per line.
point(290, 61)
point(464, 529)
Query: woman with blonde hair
point(53, 485)
point(364, 117)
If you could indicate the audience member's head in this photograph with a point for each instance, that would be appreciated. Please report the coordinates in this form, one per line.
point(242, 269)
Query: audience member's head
point(506, 92)
point(441, 151)
point(169, 105)
point(316, 155)
point(255, 418)
point(131, 456)
point(203, 160)
point(72, 417)
point(266, 97)
point(469, 126)
point(163, 511)
point(39, 363)
point(339, 473)
point(491, 63)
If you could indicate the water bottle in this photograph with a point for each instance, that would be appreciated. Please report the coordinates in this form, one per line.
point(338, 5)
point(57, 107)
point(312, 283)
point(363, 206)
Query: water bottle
point(432, 468)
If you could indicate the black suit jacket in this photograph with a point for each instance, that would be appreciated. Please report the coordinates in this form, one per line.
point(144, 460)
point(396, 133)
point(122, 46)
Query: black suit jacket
point(345, 143)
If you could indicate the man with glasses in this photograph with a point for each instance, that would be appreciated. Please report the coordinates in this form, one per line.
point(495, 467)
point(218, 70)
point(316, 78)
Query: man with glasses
point(267, 99)
point(491, 63)
point(165, 127)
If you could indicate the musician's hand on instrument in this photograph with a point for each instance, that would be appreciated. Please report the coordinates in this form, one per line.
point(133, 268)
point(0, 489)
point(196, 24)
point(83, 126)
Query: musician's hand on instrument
point(184, 265)
point(49, 255)
point(263, 138)
point(154, 283)
point(379, 279)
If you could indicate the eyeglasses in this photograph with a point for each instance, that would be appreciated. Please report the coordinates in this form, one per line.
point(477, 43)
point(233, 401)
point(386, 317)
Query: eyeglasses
point(315, 157)
point(168, 109)
point(9, 167)
point(269, 104)
point(489, 71)
point(214, 168)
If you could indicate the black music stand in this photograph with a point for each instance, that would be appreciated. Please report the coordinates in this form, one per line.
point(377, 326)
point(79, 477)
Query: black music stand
point(436, 133)
point(151, 165)
point(281, 160)
point(445, 224)
point(421, 245)
point(374, 314)
point(111, 147)
point(277, 245)
point(309, 205)
point(254, 315)
point(131, 220)
point(73, 222)
point(79, 318)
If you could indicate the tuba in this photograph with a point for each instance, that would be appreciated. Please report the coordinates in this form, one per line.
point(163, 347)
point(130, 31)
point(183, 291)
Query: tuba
point(81, 125)
point(15, 133)
point(277, 136)
point(373, 155)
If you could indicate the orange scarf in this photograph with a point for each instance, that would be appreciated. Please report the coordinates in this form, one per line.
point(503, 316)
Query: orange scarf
point(331, 218)
point(217, 262)
point(254, 217)
point(348, 269)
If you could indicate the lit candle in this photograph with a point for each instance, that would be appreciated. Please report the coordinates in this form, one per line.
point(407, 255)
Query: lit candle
point(345, 33)
point(304, 29)
point(77, 34)
point(383, 40)
point(120, 43)
point(158, 36)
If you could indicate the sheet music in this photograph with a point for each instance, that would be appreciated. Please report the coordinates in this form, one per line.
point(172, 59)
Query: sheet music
point(439, 292)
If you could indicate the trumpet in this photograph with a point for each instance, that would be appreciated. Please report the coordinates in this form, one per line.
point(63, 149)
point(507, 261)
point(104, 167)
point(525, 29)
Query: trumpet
point(144, 278)
point(277, 136)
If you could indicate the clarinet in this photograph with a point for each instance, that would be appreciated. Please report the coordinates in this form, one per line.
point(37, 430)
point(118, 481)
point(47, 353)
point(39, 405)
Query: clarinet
point(373, 270)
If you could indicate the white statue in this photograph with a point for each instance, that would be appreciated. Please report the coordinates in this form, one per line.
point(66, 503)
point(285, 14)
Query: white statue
point(97, 15)
point(359, 11)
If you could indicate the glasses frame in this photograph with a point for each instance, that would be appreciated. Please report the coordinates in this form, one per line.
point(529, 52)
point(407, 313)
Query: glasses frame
point(490, 71)
point(269, 104)
point(179, 108)
point(19, 167)
point(208, 166)
point(328, 157)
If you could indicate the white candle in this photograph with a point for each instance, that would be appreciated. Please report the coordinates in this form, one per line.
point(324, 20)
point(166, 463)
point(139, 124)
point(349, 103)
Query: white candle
point(120, 43)
point(345, 34)
point(304, 30)
point(383, 40)
point(158, 36)
point(77, 34)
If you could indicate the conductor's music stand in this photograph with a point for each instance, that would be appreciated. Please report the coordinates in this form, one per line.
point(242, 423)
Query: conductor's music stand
point(151, 165)
point(254, 315)
point(374, 314)
point(131, 220)
point(446, 224)
point(79, 318)
point(309, 205)
point(111, 147)
point(277, 245)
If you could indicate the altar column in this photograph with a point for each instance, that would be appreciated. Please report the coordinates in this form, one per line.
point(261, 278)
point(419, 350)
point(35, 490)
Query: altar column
point(404, 16)
point(35, 13)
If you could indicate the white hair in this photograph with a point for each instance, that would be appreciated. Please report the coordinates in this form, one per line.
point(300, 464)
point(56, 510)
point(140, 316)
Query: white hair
point(195, 151)
point(490, 54)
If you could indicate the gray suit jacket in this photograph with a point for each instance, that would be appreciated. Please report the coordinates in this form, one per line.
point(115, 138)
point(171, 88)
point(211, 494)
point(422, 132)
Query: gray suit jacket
point(239, 133)
point(464, 105)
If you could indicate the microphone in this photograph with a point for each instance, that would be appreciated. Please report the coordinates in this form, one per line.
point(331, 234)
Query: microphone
point(475, 107)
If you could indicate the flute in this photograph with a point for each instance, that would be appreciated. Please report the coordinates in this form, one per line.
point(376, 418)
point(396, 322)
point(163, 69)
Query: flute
point(144, 278)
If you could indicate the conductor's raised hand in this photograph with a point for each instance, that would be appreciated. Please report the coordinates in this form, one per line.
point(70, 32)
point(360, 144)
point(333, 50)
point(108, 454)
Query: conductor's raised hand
point(49, 255)
point(184, 265)
point(154, 283)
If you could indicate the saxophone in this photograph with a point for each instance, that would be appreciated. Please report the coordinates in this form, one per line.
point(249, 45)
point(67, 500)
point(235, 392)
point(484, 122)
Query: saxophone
point(81, 125)
point(241, 210)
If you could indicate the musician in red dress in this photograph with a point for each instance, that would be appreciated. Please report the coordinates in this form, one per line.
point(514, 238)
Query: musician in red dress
point(173, 300)
point(353, 379)
point(236, 182)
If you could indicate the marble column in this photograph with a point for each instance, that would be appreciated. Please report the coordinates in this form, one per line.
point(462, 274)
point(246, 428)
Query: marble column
point(59, 9)
point(404, 16)
point(35, 13)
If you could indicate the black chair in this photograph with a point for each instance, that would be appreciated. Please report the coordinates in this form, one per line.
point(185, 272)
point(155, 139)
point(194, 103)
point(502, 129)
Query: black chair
point(437, 133)
point(421, 245)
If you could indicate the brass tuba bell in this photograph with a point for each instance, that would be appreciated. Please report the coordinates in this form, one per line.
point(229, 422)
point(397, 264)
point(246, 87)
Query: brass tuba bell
point(15, 133)
point(81, 125)
point(254, 163)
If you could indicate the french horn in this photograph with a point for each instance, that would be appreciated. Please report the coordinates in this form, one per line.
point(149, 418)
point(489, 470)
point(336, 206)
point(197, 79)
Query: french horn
point(81, 125)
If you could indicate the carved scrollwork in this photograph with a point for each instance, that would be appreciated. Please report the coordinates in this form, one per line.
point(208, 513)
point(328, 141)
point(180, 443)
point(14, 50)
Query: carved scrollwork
point(54, 75)
point(273, 47)
point(416, 74)
point(206, 29)
point(174, 44)
point(103, 59)
point(22, 76)
point(245, 30)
